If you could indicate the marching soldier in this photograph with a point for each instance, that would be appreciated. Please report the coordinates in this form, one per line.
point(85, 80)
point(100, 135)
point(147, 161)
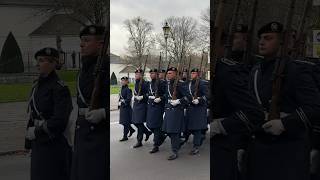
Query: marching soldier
point(234, 114)
point(125, 109)
point(184, 77)
point(155, 109)
point(282, 145)
point(50, 105)
point(173, 123)
point(197, 109)
point(140, 107)
point(90, 148)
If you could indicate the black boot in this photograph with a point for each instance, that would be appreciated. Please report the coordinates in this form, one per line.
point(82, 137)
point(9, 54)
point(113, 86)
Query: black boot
point(123, 139)
point(148, 134)
point(173, 156)
point(131, 132)
point(138, 144)
point(194, 151)
point(154, 150)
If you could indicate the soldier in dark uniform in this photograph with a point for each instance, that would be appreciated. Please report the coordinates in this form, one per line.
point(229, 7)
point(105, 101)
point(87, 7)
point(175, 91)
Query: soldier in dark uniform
point(140, 108)
point(125, 109)
point(90, 141)
point(50, 105)
point(239, 43)
point(162, 73)
point(173, 123)
point(234, 114)
point(155, 108)
point(197, 109)
point(281, 148)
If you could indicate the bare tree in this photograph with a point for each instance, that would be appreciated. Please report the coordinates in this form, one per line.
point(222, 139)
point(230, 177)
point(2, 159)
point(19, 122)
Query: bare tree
point(204, 29)
point(82, 11)
point(141, 38)
point(182, 39)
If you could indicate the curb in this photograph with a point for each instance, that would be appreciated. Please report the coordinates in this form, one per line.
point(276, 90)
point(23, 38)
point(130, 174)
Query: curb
point(16, 152)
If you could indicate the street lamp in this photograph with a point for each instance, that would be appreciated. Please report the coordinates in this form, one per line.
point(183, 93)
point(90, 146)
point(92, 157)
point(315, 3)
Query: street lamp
point(166, 31)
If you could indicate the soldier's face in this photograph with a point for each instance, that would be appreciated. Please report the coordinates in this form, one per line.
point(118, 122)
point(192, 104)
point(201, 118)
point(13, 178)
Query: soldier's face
point(90, 46)
point(269, 44)
point(124, 82)
point(161, 75)
point(153, 75)
point(138, 76)
point(194, 75)
point(239, 42)
point(45, 64)
point(171, 75)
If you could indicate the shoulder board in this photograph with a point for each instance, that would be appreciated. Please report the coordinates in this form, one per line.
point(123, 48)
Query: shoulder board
point(61, 83)
point(229, 62)
point(181, 81)
point(304, 62)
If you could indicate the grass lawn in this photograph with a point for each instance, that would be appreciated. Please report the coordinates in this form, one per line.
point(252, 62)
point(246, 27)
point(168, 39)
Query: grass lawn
point(115, 89)
point(21, 92)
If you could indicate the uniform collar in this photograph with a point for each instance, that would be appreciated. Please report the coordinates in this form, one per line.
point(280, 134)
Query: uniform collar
point(88, 62)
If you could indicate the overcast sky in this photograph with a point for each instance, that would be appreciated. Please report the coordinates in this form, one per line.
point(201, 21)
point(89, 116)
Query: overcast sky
point(155, 11)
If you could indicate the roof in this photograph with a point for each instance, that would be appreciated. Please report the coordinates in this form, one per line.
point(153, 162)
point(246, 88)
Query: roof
point(115, 59)
point(62, 23)
point(128, 69)
point(26, 2)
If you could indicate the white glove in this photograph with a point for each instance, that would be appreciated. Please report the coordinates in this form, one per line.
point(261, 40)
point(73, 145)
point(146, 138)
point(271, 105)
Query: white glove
point(119, 103)
point(274, 127)
point(195, 101)
point(139, 98)
point(175, 102)
point(96, 115)
point(152, 97)
point(157, 100)
point(30, 133)
point(216, 127)
point(122, 100)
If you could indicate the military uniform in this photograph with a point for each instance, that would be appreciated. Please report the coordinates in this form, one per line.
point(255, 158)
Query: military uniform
point(197, 111)
point(90, 141)
point(155, 110)
point(50, 105)
point(234, 112)
point(125, 110)
point(173, 123)
point(140, 110)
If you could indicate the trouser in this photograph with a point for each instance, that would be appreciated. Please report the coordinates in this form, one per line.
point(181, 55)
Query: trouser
point(127, 129)
point(197, 137)
point(141, 130)
point(158, 136)
point(175, 142)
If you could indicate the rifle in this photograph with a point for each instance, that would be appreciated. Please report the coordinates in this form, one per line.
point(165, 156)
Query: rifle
point(231, 28)
point(175, 84)
point(250, 32)
point(158, 80)
point(298, 46)
point(189, 66)
point(216, 40)
point(141, 80)
point(196, 90)
point(279, 68)
point(100, 72)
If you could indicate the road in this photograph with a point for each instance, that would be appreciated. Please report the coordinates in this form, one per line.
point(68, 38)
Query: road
point(138, 164)
point(128, 163)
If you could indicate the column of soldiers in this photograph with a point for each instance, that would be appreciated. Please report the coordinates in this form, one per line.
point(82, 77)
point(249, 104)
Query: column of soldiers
point(169, 105)
point(50, 105)
point(246, 143)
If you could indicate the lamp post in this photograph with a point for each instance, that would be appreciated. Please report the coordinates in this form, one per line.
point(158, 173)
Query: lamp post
point(166, 31)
